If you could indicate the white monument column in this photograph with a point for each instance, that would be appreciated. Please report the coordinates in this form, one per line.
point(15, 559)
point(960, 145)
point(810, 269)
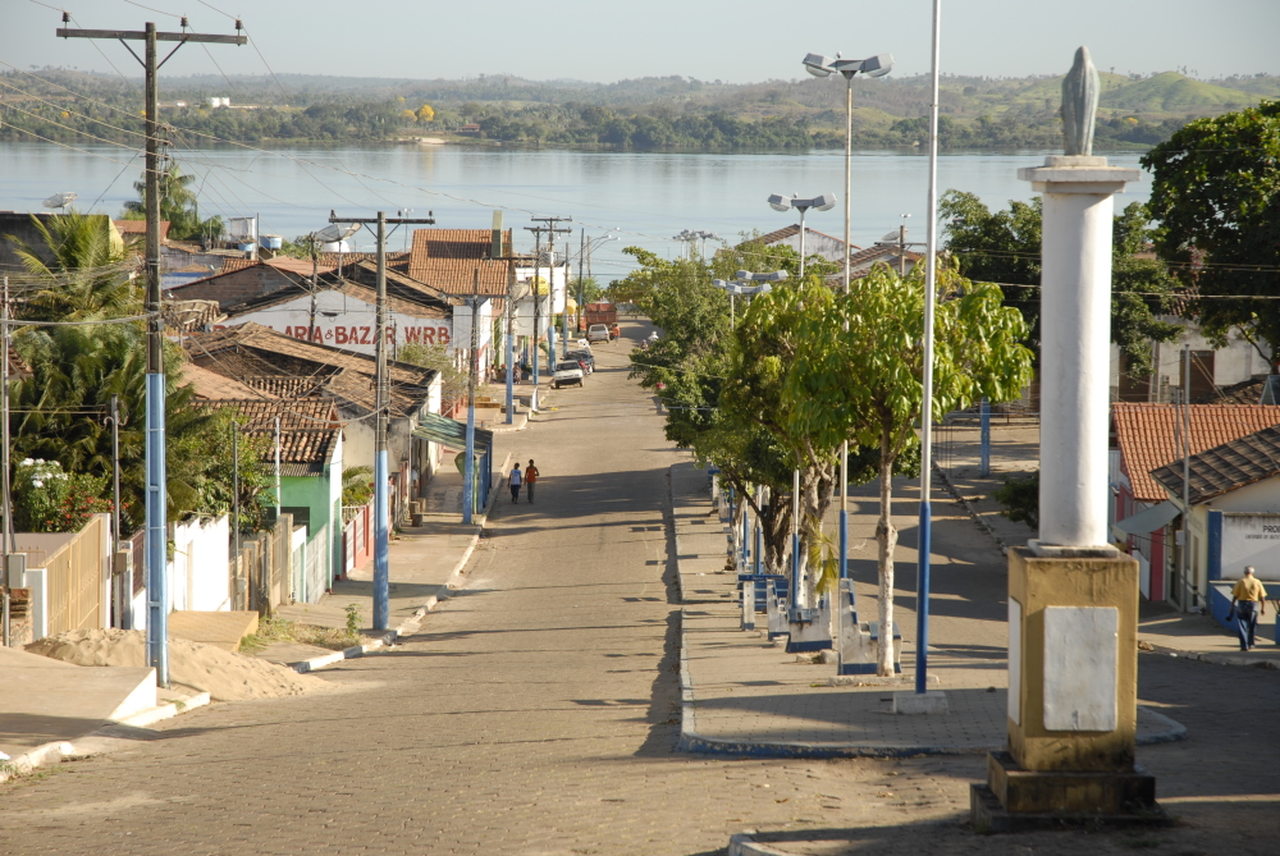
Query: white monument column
point(1075, 336)
point(1073, 598)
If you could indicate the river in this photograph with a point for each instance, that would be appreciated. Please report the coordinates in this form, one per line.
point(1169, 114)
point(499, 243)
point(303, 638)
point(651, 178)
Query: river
point(647, 198)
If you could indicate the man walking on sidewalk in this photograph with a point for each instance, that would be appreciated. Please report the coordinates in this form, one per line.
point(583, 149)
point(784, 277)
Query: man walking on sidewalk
point(530, 479)
point(1248, 601)
point(514, 482)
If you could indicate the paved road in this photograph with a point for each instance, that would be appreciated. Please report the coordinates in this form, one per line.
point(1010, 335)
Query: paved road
point(537, 712)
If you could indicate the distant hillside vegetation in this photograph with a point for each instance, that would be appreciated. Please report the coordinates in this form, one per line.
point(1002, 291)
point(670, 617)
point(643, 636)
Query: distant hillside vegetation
point(647, 114)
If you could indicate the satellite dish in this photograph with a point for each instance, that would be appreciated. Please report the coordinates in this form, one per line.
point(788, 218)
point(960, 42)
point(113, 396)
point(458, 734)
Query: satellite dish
point(890, 238)
point(60, 200)
point(335, 232)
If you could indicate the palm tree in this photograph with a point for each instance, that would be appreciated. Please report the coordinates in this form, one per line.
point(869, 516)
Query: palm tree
point(81, 271)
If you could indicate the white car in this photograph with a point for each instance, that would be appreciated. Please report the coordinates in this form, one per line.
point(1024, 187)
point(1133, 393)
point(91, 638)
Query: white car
point(598, 333)
point(567, 372)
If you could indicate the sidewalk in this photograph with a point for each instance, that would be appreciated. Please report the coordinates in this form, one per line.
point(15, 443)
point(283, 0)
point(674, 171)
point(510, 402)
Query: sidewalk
point(745, 695)
point(55, 707)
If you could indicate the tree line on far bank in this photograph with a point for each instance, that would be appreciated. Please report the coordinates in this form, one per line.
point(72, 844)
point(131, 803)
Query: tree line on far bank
point(653, 114)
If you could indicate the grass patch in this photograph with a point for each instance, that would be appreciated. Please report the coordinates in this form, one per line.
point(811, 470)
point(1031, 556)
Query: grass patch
point(272, 629)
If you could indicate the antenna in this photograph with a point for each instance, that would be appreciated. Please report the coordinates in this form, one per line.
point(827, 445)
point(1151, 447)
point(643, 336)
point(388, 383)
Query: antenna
point(335, 232)
point(60, 200)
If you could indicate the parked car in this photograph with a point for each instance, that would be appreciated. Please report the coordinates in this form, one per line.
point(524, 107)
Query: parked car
point(584, 357)
point(567, 372)
point(598, 333)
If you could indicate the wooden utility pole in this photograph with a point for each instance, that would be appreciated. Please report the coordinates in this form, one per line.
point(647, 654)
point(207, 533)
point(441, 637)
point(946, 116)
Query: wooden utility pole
point(156, 495)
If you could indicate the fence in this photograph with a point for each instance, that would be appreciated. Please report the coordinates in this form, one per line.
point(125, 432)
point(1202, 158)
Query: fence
point(68, 574)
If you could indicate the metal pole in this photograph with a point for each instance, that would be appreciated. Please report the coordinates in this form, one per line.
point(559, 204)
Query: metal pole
point(926, 416)
point(469, 461)
point(235, 505)
point(537, 333)
point(1188, 585)
point(511, 343)
point(843, 534)
point(119, 586)
point(381, 510)
point(795, 538)
point(5, 487)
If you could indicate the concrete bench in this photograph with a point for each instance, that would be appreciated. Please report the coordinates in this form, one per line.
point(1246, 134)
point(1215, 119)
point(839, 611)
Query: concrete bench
point(761, 583)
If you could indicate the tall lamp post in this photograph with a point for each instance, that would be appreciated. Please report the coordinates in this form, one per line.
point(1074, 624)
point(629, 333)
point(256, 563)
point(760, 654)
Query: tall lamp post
point(822, 202)
point(747, 284)
point(824, 66)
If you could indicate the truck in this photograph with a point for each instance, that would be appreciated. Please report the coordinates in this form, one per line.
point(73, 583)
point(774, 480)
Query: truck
point(595, 314)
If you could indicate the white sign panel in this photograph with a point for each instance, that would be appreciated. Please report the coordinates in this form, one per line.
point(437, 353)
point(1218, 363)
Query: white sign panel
point(1250, 539)
point(1080, 667)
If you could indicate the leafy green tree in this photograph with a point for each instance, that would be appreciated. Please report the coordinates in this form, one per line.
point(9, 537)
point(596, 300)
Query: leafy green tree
point(1215, 193)
point(453, 381)
point(857, 375)
point(1003, 247)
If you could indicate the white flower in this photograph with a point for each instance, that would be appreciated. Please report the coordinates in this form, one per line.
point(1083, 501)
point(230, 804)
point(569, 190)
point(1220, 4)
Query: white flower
point(37, 483)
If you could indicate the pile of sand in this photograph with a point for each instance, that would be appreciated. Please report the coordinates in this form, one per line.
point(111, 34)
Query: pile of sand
point(224, 675)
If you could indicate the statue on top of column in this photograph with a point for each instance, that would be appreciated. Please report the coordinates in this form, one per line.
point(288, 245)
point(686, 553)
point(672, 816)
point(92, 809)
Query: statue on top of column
point(1079, 105)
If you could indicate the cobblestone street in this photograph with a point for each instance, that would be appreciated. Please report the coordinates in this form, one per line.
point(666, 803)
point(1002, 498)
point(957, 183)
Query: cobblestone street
point(538, 709)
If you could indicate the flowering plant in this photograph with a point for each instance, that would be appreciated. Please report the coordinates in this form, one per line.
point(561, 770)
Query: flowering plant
point(48, 499)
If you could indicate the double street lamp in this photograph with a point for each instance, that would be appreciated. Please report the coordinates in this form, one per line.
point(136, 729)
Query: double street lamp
point(747, 284)
point(822, 202)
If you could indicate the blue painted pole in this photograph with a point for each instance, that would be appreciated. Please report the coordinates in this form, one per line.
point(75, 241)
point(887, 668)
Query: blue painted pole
point(922, 597)
point(157, 552)
point(984, 416)
point(844, 544)
point(511, 358)
point(759, 547)
point(469, 463)
point(746, 535)
point(381, 532)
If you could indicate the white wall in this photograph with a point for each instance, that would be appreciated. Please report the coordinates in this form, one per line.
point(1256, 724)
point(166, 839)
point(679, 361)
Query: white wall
point(199, 578)
point(349, 323)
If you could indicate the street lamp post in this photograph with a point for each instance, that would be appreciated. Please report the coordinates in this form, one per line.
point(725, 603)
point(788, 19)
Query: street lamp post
point(747, 284)
point(822, 66)
point(822, 202)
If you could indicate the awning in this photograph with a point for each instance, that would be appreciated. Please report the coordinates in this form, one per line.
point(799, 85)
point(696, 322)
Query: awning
point(450, 432)
point(1149, 519)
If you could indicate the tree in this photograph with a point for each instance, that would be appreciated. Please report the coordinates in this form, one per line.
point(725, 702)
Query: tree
point(1215, 193)
point(858, 376)
point(178, 205)
point(1004, 248)
point(80, 271)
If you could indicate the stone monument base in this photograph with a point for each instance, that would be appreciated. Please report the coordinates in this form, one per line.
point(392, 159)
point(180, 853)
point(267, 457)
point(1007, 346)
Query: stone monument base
point(1017, 799)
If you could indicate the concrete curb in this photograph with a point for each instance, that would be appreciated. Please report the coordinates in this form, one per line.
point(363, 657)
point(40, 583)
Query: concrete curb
point(1215, 659)
point(60, 750)
point(743, 844)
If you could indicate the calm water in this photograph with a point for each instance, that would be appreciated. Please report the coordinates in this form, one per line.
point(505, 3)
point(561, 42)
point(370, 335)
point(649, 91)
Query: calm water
point(648, 198)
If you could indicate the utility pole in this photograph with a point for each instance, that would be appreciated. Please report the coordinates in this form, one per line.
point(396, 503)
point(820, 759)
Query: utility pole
point(382, 522)
point(552, 231)
point(156, 523)
point(469, 450)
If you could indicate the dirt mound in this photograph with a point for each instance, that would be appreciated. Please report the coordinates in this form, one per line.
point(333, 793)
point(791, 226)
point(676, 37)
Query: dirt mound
point(224, 675)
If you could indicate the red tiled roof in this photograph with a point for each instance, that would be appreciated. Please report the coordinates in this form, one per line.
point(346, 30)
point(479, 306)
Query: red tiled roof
point(139, 227)
point(1150, 435)
point(459, 276)
point(288, 264)
point(454, 244)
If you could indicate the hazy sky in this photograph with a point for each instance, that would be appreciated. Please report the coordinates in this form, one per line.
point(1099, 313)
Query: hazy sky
point(731, 40)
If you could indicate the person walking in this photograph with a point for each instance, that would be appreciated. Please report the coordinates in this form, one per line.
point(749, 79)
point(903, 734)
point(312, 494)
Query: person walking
point(514, 481)
point(1248, 601)
point(530, 479)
